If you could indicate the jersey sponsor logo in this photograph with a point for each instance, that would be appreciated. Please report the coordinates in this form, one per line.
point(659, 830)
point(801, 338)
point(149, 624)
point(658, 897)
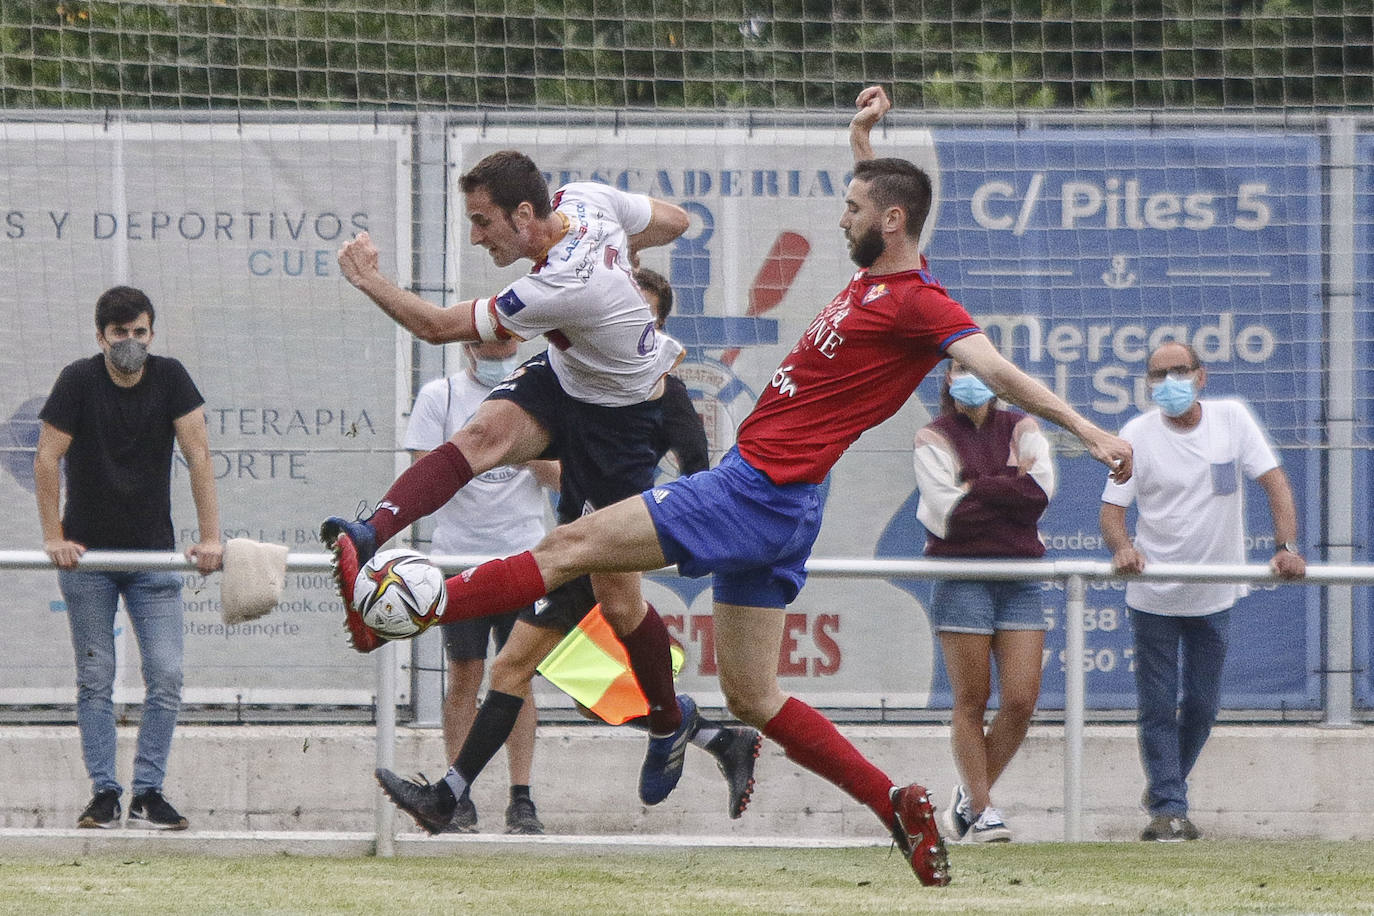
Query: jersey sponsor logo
point(574, 241)
point(875, 293)
point(782, 380)
point(508, 303)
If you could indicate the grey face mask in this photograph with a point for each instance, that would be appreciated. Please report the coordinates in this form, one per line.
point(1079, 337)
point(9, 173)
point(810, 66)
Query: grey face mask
point(128, 355)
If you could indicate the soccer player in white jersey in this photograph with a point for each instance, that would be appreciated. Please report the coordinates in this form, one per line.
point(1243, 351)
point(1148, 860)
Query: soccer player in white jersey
point(591, 399)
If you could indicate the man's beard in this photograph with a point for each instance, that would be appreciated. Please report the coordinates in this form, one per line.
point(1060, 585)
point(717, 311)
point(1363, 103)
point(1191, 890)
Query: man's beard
point(867, 248)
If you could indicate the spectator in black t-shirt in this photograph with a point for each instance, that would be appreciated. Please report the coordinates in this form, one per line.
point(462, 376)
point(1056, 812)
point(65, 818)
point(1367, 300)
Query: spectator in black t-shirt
point(682, 426)
point(114, 417)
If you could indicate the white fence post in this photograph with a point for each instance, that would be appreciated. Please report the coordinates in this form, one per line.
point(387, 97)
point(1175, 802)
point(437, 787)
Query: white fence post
point(1075, 591)
point(386, 745)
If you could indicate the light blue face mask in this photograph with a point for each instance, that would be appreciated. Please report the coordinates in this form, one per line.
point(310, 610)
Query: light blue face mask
point(970, 391)
point(1174, 396)
point(490, 372)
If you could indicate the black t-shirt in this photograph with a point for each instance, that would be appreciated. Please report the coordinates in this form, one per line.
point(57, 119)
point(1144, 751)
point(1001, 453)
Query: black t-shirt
point(684, 435)
point(119, 465)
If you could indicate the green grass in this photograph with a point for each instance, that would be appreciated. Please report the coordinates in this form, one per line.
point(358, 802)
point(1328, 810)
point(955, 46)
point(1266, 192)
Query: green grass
point(1050, 878)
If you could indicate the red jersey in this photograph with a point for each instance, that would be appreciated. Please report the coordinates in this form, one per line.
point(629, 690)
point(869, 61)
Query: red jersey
point(855, 366)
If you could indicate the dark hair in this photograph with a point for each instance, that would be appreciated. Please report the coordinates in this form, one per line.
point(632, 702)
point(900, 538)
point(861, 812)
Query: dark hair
point(120, 305)
point(510, 178)
point(651, 281)
point(898, 183)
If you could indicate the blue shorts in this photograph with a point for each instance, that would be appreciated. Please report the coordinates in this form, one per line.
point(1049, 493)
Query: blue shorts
point(754, 535)
point(607, 453)
point(983, 607)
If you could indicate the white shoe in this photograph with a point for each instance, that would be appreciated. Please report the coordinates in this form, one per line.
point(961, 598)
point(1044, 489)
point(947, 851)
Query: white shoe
point(989, 828)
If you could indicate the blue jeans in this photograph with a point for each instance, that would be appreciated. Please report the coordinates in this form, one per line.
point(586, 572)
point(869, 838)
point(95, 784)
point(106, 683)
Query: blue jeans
point(153, 603)
point(1178, 662)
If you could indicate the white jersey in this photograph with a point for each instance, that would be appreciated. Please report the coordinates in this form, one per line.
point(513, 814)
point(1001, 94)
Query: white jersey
point(1190, 501)
point(499, 512)
point(603, 346)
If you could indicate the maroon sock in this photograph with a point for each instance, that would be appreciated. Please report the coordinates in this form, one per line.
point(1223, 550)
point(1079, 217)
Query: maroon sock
point(811, 740)
point(420, 490)
point(494, 587)
point(651, 658)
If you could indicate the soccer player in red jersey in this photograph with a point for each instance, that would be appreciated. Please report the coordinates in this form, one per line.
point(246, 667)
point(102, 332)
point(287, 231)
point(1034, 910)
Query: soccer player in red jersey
point(751, 520)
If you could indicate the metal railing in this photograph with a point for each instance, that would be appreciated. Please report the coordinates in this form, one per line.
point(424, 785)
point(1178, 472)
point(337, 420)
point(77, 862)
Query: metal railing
point(1074, 574)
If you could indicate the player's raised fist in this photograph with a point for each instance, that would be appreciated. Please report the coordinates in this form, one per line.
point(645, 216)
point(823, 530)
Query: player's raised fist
point(872, 103)
point(358, 258)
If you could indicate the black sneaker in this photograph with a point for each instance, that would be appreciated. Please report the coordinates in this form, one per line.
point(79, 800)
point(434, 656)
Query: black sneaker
point(521, 818)
point(735, 750)
point(149, 809)
point(431, 804)
point(464, 817)
point(958, 817)
point(1163, 829)
point(103, 811)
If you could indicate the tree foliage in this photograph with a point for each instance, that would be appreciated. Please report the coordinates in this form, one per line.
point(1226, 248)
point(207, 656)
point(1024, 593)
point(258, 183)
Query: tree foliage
point(656, 54)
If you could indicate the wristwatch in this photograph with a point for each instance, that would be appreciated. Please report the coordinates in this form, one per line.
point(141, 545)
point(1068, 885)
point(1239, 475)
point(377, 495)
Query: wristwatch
point(1288, 546)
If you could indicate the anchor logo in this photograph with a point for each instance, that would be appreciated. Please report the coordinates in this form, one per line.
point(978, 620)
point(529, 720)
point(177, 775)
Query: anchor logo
point(1119, 275)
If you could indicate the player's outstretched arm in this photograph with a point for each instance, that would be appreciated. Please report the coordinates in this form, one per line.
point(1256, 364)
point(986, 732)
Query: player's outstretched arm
point(873, 103)
point(666, 222)
point(358, 261)
point(1011, 384)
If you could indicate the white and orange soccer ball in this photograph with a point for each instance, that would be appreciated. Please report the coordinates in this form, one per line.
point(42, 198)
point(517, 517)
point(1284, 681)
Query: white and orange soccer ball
point(400, 593)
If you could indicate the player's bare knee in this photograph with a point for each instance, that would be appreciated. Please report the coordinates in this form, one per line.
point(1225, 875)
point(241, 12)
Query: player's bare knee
point(750, 707)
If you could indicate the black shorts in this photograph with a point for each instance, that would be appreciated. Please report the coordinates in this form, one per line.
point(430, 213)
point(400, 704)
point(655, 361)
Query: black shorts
point(607, 453)
point(466, 640)
point(564, 607)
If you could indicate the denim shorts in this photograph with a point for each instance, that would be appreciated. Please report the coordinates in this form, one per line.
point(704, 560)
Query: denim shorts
point(977, 606)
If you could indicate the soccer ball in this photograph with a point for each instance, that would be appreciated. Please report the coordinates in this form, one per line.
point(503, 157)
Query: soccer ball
point(399, 593)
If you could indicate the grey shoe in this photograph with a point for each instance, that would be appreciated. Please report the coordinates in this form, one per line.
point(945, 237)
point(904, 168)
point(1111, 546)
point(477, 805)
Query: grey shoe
point(431, 803)
point(736, 750)
point(103, 811)
point(464, 817)
point(1164, 829)
point(522, 819)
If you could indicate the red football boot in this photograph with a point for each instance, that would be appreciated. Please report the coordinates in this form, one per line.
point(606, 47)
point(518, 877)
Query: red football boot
point(916, 835)
point(346, 565)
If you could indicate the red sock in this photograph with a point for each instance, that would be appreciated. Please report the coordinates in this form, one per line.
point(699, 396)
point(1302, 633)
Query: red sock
point(494, 587)
point(420, 490)
point(651, 658)
point(811, 740)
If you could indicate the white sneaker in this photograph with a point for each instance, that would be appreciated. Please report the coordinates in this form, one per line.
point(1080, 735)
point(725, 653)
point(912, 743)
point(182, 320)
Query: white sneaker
point(989, 828)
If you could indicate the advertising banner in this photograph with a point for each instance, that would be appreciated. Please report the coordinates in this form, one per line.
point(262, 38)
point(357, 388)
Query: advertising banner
point(1077, 251)
point(232, 231)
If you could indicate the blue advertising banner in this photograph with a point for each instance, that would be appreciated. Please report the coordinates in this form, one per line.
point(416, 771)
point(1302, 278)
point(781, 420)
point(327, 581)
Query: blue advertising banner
point(1079, 252)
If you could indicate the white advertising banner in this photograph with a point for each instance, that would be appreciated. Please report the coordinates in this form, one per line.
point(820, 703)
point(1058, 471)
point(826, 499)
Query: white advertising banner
point(232, 231)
